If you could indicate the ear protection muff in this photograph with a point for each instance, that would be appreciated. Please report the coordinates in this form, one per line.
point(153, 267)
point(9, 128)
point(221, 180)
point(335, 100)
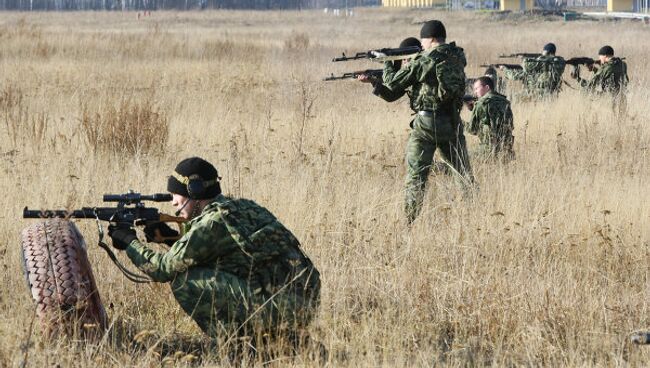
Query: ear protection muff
point(195, 185)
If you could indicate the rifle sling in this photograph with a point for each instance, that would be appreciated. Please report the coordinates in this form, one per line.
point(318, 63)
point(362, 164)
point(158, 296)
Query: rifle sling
point(140, 279)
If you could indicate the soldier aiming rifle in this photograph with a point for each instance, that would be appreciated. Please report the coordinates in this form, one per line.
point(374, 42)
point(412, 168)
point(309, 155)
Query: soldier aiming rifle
point(541, 74)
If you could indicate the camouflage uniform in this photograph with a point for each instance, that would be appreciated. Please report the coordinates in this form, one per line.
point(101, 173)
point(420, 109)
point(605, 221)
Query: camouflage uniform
point(541, 76)
point(612, 79)
point(236, 265)
point(492, 121)
point(439, 126)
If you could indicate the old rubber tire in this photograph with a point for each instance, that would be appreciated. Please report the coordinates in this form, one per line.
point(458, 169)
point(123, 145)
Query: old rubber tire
point(60, 279)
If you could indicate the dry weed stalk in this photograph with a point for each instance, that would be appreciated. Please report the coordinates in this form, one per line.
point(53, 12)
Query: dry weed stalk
point(132, 127)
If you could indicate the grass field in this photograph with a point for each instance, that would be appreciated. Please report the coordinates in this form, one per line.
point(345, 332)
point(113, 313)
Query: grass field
point(546, 266)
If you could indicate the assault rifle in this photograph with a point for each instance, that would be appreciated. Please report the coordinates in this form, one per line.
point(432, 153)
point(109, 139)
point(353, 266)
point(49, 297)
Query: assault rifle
point(520, 55)
point(384, 54)
point(584, 60)
point(469, 98)
point(372, 73)
point(508, 66)
point(130, 210)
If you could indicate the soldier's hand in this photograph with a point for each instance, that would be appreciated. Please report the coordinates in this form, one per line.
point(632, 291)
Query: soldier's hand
point(591, 67)
point(364, 78)
point(160, 232)
point(122, 235)
point(575, 73)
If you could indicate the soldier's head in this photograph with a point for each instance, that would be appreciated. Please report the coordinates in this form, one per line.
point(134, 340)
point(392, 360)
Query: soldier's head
point(605, 53)
point(407, 42)
point(549, 49)
point(483, 85)
point(433, 33)
point(490, 72)
point(193, 184)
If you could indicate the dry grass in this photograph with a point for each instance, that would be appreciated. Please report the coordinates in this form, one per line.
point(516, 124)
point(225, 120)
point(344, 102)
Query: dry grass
point(546, 265)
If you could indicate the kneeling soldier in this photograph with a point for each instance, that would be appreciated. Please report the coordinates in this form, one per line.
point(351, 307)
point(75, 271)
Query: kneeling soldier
point(492, 121)
point(236, 269)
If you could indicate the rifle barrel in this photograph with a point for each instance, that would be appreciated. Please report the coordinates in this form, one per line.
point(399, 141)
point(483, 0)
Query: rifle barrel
point(83, 213)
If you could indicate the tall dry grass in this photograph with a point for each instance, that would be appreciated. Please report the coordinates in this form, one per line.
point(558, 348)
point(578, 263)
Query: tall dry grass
point(546, 265)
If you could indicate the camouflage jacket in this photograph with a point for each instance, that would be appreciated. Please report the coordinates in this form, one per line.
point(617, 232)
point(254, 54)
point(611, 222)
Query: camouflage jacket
point(492, 121)
point(541, 76)
point(236, 236)
point(421, 77)
point(611, 78)
point(380, 90)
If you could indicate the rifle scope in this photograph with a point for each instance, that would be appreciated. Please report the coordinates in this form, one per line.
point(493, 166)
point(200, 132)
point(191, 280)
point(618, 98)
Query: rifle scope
point(131, 198)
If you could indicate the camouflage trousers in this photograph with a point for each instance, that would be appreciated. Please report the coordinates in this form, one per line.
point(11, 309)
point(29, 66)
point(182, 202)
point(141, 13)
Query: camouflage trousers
point(441, 131)
point(494, 148)
point(223, 304)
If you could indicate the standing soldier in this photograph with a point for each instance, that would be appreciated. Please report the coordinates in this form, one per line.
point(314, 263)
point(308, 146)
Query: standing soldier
point(541, 76)
point(236, 270)
point(492, 121)
point(436, 81)
point(610, 78)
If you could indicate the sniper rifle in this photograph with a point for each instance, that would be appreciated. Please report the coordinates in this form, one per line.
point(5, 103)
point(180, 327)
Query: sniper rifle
point(129, 211)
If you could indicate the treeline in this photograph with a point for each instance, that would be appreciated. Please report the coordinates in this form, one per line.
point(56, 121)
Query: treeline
point(28, 5)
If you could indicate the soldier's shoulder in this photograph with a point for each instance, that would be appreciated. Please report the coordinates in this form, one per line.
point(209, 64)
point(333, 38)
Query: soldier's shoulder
point(238, 204)
point(496, 98)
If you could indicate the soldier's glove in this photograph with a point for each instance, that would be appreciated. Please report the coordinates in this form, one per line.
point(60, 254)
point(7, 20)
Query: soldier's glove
point(122, 235)
point(160, 232)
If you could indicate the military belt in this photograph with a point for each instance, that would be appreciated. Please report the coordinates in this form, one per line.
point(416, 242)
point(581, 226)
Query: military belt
point(425, 113)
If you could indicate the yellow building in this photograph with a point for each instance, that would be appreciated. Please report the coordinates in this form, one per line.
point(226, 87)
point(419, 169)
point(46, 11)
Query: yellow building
point(518, 5)
point(413, 3)
point(620, 5)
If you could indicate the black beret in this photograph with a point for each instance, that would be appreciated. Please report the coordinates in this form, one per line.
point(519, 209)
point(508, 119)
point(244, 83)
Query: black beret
point(606, 50)
point(410, 42)
point(433, 29)
point(550, 48)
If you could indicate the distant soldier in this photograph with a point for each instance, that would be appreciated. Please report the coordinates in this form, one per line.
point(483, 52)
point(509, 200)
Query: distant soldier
point(611, 78)
point(492, 121)
point(236, 270)
point(541, 76)
point(436, 81)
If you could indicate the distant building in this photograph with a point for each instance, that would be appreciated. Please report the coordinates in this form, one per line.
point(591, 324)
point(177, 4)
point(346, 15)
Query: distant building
point(620, 5)
point(414, 3)
point(517, 5)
